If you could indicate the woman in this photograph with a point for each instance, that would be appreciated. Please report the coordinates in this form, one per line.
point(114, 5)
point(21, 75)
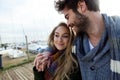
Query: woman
point(61, 41)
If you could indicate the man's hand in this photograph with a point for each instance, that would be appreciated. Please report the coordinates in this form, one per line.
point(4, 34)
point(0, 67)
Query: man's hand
point(42, 61)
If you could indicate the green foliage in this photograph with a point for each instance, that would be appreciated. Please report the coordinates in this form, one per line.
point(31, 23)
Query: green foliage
point(9, 66)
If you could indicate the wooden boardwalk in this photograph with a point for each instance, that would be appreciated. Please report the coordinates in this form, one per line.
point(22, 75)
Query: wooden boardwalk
point(23, 72)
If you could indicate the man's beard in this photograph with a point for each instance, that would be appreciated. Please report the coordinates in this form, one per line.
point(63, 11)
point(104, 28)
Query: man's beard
point(82, 23)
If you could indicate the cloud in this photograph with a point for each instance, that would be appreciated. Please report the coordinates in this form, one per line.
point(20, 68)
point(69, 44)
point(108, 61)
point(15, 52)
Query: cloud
point(30, 12)
point(110, 7)
point(34, 16)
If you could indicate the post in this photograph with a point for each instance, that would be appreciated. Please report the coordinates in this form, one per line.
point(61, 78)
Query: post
point(1, 67)
point(27, 48)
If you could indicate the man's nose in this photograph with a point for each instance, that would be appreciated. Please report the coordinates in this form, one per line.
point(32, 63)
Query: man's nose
point(70, 25)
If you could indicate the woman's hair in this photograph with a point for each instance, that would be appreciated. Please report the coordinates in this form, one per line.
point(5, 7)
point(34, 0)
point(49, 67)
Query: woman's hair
point(92, 5)
point(66, 61)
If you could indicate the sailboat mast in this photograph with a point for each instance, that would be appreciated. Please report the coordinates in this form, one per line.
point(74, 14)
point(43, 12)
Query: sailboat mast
point(27, 50)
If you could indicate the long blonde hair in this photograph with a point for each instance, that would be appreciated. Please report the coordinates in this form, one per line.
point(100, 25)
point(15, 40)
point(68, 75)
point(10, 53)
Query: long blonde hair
point(66, 63)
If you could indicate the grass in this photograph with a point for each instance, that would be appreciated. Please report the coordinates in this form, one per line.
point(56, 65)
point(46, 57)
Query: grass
point(15, 65)
point(11, 63)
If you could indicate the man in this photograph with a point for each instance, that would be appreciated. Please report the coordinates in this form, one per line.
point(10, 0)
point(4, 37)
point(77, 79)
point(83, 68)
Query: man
point(97, 44)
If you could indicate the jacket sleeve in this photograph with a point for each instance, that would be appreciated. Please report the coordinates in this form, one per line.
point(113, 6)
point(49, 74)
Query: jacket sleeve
point(38, 75)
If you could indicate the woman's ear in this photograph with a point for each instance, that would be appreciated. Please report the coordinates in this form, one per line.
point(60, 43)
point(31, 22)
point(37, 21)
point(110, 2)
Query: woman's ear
point(81, 7)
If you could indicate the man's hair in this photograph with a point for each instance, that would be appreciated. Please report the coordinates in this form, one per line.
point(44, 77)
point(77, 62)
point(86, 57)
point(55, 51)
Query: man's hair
point(92, 5)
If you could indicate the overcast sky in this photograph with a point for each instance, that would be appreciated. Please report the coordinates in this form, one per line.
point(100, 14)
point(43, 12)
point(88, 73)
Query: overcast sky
point(36, 18)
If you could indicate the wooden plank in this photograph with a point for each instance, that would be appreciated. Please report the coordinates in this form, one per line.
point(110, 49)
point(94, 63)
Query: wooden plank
point(8, 75)
point(23, 72)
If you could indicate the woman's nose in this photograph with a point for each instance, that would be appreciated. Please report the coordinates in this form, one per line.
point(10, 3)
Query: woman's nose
point(60, 38)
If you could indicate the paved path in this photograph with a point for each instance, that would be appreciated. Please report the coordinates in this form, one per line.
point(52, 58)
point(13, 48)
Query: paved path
point(23, 72)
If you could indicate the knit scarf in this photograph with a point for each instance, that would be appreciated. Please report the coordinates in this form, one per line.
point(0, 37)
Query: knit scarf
point(49, 73)
point(113, 29)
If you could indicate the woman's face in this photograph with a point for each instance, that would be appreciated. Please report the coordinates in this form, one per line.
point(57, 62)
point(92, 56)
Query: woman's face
point(61, 37)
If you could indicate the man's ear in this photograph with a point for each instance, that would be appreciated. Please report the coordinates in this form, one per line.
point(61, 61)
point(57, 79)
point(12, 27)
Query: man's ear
point(81, 6)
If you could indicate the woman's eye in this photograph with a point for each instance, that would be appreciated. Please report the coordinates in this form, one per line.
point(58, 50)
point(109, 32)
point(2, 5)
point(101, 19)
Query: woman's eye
point(56, 35)
point(65, 36)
